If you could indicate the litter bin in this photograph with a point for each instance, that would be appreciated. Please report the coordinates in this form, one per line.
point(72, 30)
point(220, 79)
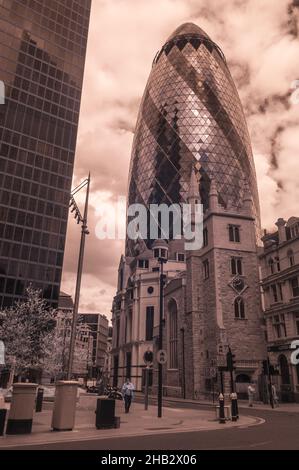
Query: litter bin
point(105, 413)
point(39, 400)
point(20, 416)
point(63, 417)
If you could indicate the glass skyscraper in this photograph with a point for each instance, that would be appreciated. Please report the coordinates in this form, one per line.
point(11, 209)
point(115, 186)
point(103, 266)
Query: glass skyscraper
point(42, 57)
point(190, 116)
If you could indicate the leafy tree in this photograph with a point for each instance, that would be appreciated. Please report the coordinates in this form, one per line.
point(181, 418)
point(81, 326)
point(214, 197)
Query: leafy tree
point(25, 329)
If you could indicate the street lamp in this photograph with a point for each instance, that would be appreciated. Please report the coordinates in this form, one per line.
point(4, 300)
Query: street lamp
point(160, 249)
point(84, 231)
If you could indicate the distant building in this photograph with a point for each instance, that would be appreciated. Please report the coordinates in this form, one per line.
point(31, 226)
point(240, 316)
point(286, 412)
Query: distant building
point(98, 325)
point(280, 283)
point(83, 342)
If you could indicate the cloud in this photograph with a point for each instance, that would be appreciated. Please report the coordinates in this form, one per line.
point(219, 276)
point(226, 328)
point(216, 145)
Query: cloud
point(259, 40)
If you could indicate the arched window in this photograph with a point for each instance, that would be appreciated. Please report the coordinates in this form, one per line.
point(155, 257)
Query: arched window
point(239, 308)
point(290, 256)
point(173, 334)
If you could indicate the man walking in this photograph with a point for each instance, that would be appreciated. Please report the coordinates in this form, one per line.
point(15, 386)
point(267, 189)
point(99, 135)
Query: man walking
point(251, 392)
point(128, 394)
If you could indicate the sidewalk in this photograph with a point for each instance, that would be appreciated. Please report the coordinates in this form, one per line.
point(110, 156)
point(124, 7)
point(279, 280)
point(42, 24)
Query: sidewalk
point(137, 422)
point(243, 404)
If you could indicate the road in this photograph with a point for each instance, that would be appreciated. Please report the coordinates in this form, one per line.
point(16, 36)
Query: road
point(280, 431)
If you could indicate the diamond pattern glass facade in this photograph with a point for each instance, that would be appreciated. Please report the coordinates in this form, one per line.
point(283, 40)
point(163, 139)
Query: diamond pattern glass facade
point(42, 56)
point(190, 115)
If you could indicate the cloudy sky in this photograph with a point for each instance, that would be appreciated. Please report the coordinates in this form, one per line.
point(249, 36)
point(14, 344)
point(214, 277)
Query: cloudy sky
point(260, 42)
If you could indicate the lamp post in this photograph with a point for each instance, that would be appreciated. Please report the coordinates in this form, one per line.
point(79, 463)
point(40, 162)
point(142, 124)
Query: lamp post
point(160, 248)
point(84, 232)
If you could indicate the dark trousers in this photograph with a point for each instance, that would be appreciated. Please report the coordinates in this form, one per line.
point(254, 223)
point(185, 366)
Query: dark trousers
point(128, 401)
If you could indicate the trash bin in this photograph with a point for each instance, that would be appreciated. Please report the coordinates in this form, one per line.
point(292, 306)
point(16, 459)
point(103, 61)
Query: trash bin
point(3, 412)
point(20, 416)
point(105, 413)
point(63, 417)
point(39, 400)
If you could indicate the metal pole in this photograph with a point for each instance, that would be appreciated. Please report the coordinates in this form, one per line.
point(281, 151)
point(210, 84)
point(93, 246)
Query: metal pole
point(270, 385)
point(183, 361)
point(78, 283)
point(146, 388)
point(160, 370)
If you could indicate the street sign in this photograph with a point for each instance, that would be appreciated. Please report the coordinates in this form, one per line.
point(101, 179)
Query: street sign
point(210, 372)
point(221, 360)
point(222, 348)
point(161, 357)
point(148, 357)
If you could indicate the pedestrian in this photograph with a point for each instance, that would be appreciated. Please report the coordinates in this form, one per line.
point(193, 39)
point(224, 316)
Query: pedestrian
point(128, 394)
point(251, 392)
point(275, 396)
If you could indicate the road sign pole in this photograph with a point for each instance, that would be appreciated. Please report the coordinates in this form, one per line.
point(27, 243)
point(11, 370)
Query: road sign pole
point(146, 388)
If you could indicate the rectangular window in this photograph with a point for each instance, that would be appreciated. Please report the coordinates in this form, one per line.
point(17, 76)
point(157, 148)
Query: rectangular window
point(234, 233)
point(143, 263)
point(295, 286)
point(205, 237)
point(150, 311)
point(180, 257)
point(276, 291)
point(206, 269)
point(128, 365)
point(236, 266)
point(279, 326)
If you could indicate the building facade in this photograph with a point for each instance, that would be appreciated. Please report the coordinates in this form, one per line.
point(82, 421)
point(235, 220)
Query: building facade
point(280, 283)
point(214, 305)
point(191, 143)
point(42, 56)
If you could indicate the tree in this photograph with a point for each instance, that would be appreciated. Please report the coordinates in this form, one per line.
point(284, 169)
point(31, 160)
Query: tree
point(57, 351)
point(25, 329)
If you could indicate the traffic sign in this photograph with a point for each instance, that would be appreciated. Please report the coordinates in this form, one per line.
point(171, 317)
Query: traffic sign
point(210, 372)
point(162, 357)
point(221, 360)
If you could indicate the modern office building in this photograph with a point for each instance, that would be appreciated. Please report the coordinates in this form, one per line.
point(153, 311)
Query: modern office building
point(42, 56)
point(279, 261)
point(192, 145)
point(190, 114)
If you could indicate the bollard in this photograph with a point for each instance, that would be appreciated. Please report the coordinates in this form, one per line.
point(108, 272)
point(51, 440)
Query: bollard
point(22, 408)
point(234, 405)
point(221, 409)
point(39, 400)
point(64, 411)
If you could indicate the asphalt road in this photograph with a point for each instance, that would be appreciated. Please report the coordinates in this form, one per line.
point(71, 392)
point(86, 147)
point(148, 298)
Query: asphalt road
point(279, 432)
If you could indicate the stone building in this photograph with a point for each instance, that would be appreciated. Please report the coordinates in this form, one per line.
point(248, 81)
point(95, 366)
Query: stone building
point(280, 282)
point(136, 309)
point(216, 304)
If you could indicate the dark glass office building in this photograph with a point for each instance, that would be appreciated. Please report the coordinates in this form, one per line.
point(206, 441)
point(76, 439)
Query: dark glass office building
point(42, 57)
point(190, 116)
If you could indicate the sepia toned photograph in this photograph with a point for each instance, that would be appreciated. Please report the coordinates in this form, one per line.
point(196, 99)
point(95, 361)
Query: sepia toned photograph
point(149, 230)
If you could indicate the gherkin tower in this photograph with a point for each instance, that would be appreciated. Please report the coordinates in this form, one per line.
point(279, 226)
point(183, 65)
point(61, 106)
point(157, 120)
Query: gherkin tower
point(190, 116)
